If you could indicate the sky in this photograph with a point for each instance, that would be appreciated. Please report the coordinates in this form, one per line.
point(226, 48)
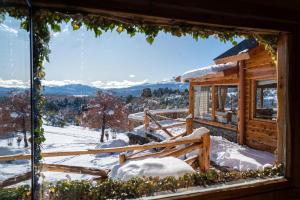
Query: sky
point(112, 60)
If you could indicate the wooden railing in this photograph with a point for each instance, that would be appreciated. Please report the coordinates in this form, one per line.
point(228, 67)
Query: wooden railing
point(175, 146)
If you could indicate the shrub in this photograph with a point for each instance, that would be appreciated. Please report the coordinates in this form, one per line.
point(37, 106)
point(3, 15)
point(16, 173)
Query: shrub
point(136, 187)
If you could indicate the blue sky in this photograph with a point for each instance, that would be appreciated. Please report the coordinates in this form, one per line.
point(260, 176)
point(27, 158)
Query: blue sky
point(111, 59)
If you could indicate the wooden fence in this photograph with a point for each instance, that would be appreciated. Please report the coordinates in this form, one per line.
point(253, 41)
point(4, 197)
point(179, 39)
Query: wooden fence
point(175, 146)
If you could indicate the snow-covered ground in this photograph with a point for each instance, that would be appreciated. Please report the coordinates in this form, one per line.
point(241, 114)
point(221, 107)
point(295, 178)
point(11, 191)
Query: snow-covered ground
point(223, 152)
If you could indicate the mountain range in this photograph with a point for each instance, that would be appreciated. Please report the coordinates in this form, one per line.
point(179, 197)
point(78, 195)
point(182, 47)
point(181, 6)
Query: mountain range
point(86, 90)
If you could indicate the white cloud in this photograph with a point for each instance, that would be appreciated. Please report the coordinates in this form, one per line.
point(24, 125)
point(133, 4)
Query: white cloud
point(8, 29)
point(14, 83)
point(53, 83)
point(116, 84)
point(131, 76)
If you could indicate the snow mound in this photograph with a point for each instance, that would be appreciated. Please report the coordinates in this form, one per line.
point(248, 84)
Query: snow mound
point(234, 156)
point(154, 167)
point(212, 69)
point(111, 144)
point(197, 134)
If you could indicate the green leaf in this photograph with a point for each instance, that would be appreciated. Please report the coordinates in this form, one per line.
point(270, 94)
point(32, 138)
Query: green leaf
point(76, 25)
point(67, 19)
point(97, 31)
point(120, 29)
point(55, 27)
point(150, 39)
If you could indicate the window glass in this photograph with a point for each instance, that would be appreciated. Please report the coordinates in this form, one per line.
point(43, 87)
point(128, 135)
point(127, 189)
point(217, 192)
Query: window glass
point(266, 100)
point(15, 110)
point(226, 103)
point(203, 102)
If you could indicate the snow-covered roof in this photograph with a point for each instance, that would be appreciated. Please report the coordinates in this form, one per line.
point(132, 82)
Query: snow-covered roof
point(211, 69)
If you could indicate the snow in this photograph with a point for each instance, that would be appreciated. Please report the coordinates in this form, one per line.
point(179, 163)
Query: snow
point(154, 167)
point(71, 138)
point(212, 69)
point(197, 134)
point(111, 144)
point(14, 115)
point(234, 156)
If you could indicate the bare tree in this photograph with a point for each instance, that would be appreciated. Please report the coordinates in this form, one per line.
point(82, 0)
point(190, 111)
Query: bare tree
point(104, 111)
point(15, 114)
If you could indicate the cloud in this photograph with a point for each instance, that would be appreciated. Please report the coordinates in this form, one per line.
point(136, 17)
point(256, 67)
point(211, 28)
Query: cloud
point(116, 84)
point(54, 83)
point(14, 84)
point(8, 29)
point(131, 76)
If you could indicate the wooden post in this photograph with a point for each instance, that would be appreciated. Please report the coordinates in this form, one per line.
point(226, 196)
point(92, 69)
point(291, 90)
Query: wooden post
point(282, 96)
point(191, 100)
point(122, 159)
point(241, 112)
point(261, 97)
point(189, 124)
point(204, 152)
point(213, 103)
point(146, 119)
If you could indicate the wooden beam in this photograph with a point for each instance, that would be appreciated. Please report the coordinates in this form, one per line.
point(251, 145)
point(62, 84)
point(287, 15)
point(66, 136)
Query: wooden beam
point(158, 124)
point(282, 96)
point(213, 99)
point(146, 119)
point(189, 124)
point(234, 58)
point(241, 104)
point(204, 153)
point(169, 126)
point(191, 99)
point(216, 124)
point(104, 150)
point(15, 179)
point(74, 169)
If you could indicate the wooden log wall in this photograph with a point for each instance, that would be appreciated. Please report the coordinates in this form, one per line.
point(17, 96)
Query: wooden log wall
point(259, 134)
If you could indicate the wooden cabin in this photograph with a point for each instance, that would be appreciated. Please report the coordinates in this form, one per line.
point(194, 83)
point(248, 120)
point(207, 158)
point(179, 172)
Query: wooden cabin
point(237, 96)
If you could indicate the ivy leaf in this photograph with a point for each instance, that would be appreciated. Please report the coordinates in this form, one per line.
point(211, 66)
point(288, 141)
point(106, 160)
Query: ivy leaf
point(55, 27)
point(67, 19)
point(150, 39)
point(97, 31)
point(196, 37)
point(25, 25)
point(120, 29)
point(76, 25)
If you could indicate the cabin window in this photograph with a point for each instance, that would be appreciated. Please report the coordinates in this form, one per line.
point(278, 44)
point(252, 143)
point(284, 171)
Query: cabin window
point(226, 104)
point(203, 102)
point(266, 100)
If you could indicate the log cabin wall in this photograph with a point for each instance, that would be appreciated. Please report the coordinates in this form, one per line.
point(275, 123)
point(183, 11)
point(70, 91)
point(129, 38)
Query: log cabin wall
point(259, 134)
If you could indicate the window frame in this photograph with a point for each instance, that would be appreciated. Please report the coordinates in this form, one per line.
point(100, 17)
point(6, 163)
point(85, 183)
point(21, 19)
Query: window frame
point(253, 102)
point(221, 15)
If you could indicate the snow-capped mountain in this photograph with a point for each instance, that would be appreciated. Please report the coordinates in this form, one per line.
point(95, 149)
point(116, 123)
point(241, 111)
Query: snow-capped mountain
point(81, 89)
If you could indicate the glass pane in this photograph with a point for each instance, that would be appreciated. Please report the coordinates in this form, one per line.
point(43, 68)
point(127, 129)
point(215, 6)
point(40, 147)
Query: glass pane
point(15, 109)
point(203, 102)
point(266, 100)
point(226, 102)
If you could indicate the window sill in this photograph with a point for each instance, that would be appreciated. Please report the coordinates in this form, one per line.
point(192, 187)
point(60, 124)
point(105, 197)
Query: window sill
point(264, 120)
point(231, 191)
point(216, 124)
